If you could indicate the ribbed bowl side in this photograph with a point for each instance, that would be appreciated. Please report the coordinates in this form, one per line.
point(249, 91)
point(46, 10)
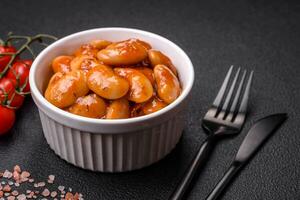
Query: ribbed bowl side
point(112, 152)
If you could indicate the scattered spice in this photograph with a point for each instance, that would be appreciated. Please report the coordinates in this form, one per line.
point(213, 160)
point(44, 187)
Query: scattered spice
point(10, 182)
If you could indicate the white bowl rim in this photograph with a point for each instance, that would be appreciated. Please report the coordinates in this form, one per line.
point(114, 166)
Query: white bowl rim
point(48, 105)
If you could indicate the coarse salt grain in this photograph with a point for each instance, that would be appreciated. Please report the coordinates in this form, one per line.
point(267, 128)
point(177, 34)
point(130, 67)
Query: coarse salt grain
point(11, 198)
point(30, 195)
point(21, 197)
point(46, 193)
point(51, 177)
point(6, 188)
point(61, 188)
point(41, 184)
point(17, 168)
point(15, 192)
point(7, 174)
point(16, 175)
point(25, 174)
point(53, 194)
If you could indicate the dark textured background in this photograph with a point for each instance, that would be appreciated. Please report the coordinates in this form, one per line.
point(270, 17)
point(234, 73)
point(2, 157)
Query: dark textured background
point(259, 35)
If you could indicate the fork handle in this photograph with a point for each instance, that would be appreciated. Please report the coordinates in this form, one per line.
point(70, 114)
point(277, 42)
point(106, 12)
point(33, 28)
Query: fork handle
point(194, 168)
point(223, 183)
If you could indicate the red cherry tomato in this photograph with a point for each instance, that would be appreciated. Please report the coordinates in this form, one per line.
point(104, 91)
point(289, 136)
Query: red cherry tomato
point(4, 60)
point(20, 73)
point(27, 62)
point(7, 118)
point(8, 95)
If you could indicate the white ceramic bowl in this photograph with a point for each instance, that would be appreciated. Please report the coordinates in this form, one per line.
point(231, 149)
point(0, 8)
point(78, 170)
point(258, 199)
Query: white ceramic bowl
point(111, 145)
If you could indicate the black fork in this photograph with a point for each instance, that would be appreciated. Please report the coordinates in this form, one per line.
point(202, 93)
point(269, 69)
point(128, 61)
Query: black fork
point(225, 117)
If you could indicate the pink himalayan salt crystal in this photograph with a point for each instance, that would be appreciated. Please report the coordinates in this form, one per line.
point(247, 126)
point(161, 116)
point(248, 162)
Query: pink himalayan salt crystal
point(17, 168)
point(7, 174)
point(46, 193)
point(25, 174)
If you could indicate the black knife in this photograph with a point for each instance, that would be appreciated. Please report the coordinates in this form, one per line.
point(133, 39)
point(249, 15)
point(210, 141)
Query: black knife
point(256, 136)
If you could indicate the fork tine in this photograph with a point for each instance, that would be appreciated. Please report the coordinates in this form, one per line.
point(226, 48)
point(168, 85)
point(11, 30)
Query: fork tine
point(236, 98)
point(221, 92)
point(229, 95)
point(238, 93)
point(244, 102)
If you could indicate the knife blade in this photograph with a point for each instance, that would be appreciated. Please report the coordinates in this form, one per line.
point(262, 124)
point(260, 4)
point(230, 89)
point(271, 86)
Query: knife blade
point(257, 135)
point(255, 138)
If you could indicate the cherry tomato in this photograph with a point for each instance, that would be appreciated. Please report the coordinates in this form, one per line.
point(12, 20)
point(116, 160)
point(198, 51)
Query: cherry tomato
point(20, 73)
point(4, 60)
point(27, 62)
point(8, 93)
point(7, 118)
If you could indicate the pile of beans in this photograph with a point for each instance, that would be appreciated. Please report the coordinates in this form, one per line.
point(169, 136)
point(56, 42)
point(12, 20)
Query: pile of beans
point(113, 80)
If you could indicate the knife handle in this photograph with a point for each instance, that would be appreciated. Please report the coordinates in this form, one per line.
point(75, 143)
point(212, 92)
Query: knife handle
point(194, 168)
point(223, 183)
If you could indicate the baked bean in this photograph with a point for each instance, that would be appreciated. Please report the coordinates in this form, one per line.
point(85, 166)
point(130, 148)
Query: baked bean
point(62, 64)
point(118, 109)
point(153, 105)
point(64, 89)
point(148, 73)
point(100, 44)
point(140, 87)
point(103, 81)
point(89, 106)
point(157, 57)
point(86, 49)
point(84, 62)
point(145, 44)
point(168, 86)
point(123, 53)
